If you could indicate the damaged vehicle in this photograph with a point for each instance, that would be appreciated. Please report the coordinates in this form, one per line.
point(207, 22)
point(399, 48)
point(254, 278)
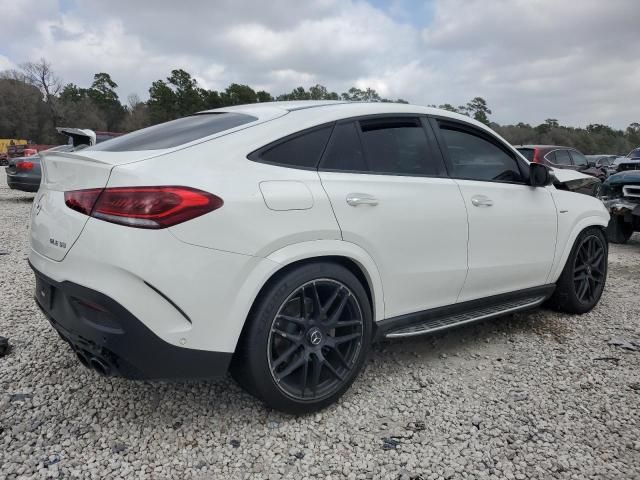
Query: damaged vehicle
point(24, 173)
point(296, 234)
point(621, 195)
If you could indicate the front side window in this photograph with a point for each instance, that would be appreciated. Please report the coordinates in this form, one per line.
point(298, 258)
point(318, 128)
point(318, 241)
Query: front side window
point(473, 157)
point(398, 146)
point(579, 159)
point(562, 157)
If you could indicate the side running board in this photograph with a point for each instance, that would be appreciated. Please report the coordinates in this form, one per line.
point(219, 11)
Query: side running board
point(459, 314)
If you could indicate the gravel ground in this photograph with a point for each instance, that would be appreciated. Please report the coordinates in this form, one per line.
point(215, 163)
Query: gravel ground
point(535, 395)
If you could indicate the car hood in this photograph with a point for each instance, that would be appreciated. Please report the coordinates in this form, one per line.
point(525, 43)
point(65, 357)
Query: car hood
point(624, 178)
point(572, 179)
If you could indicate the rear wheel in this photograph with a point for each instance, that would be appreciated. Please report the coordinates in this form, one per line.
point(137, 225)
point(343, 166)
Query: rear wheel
point(619, 231)
point(582, 281)
point(306, 340)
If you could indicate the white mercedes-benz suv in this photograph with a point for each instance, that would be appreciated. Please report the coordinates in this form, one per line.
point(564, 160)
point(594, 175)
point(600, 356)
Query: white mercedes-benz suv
point(279, 240)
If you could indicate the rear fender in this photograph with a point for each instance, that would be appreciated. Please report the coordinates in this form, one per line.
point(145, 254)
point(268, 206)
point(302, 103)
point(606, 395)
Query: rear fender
point(327, 248)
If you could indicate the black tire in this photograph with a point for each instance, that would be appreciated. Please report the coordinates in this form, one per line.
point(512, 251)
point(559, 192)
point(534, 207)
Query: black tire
point(583, 278)
point(277, 359)
point(619, 231)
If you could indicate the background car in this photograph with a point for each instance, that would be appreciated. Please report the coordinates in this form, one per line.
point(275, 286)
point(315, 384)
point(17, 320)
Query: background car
point(24, 173)
point(295, 234)
point(630, 162)
point(603, 161)
point(561, 157)
point(621, 195)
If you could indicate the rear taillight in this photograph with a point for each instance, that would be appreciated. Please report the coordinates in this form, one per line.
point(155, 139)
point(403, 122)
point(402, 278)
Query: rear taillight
point(143, 207)
point(24, 166)
point(536, 156)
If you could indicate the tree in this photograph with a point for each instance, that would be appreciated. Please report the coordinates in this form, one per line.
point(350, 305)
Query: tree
point(162, 102)
point(103, 94)
point(479, 110)
point(137, 116)
point(237, 94)
point(41, 75)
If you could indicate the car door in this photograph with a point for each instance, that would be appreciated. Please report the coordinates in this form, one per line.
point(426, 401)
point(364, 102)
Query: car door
point(512, 226)
point(388, 187)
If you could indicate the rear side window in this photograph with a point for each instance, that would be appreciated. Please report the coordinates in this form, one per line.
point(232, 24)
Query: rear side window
point(562, 157)
point(302, 150)
point(473, 157)
point(344, 152)
point(398, 146)
point(176, 132)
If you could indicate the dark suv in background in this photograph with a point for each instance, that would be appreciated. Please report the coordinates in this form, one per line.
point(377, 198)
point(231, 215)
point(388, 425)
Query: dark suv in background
point(561, 157)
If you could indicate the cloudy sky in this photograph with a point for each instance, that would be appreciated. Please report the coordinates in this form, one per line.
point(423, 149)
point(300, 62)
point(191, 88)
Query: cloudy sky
point(574, 60)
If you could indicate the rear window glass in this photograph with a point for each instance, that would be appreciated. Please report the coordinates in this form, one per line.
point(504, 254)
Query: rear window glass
point(302, 151)
point(527, 153)
point(174, 133)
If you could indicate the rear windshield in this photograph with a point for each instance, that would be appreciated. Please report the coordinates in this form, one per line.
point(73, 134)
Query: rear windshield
point(174, 133)
point(527, 153)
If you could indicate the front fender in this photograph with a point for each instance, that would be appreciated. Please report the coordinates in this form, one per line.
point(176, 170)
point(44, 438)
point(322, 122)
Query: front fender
point(576, 212)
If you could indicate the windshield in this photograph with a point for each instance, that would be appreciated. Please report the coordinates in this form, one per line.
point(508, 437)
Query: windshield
point(635, 153)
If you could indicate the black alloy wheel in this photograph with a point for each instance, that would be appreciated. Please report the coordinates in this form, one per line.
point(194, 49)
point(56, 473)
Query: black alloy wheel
point(589, 269)
point(306, 339)
point(315, 339)
point(583, 278)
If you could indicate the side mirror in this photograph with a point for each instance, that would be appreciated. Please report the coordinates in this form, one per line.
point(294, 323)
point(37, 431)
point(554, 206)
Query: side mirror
point(539, 175)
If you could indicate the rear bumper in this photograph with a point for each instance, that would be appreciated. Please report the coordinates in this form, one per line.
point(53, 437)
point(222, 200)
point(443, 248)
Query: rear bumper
point(110, 339)
point(26, 184)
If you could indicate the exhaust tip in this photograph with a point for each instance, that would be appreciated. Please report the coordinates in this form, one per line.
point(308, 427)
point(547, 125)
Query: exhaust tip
point(83, 359)
point(99, 366)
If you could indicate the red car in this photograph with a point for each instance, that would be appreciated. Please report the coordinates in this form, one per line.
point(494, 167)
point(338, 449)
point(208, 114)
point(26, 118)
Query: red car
point(561, 157)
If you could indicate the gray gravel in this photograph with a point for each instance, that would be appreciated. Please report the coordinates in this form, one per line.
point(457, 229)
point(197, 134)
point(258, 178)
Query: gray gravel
point(536, 395)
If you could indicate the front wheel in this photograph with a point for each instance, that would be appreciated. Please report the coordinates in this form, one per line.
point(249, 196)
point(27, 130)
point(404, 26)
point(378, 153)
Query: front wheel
point(582, 281)
point(306, 339)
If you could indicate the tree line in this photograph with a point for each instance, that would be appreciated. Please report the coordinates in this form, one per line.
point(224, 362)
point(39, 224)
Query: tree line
point(34, 100)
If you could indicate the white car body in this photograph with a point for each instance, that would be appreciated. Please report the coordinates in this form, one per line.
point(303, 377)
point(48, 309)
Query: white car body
point(424, 245)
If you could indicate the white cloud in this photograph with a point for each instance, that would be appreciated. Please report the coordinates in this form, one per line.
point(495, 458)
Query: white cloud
point(574, 60)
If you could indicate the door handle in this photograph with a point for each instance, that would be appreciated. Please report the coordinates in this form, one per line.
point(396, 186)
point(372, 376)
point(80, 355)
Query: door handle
point(355, 199)
point(481, 201)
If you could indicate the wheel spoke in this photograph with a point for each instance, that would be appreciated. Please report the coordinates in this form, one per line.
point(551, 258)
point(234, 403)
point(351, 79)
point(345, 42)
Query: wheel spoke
point(305, 374)
point(348, 323)
point(345, 338)
point(297, 320)
point(315, 376)
point(335, 316)
point(285, 355)
point(332, 298)
point(317, 306)
point(340, 357)
point(292, 367)
point(333, 371)
point(304, 313)
point(289, 336)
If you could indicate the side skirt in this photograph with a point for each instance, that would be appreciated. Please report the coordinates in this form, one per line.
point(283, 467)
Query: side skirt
point(441, 318)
